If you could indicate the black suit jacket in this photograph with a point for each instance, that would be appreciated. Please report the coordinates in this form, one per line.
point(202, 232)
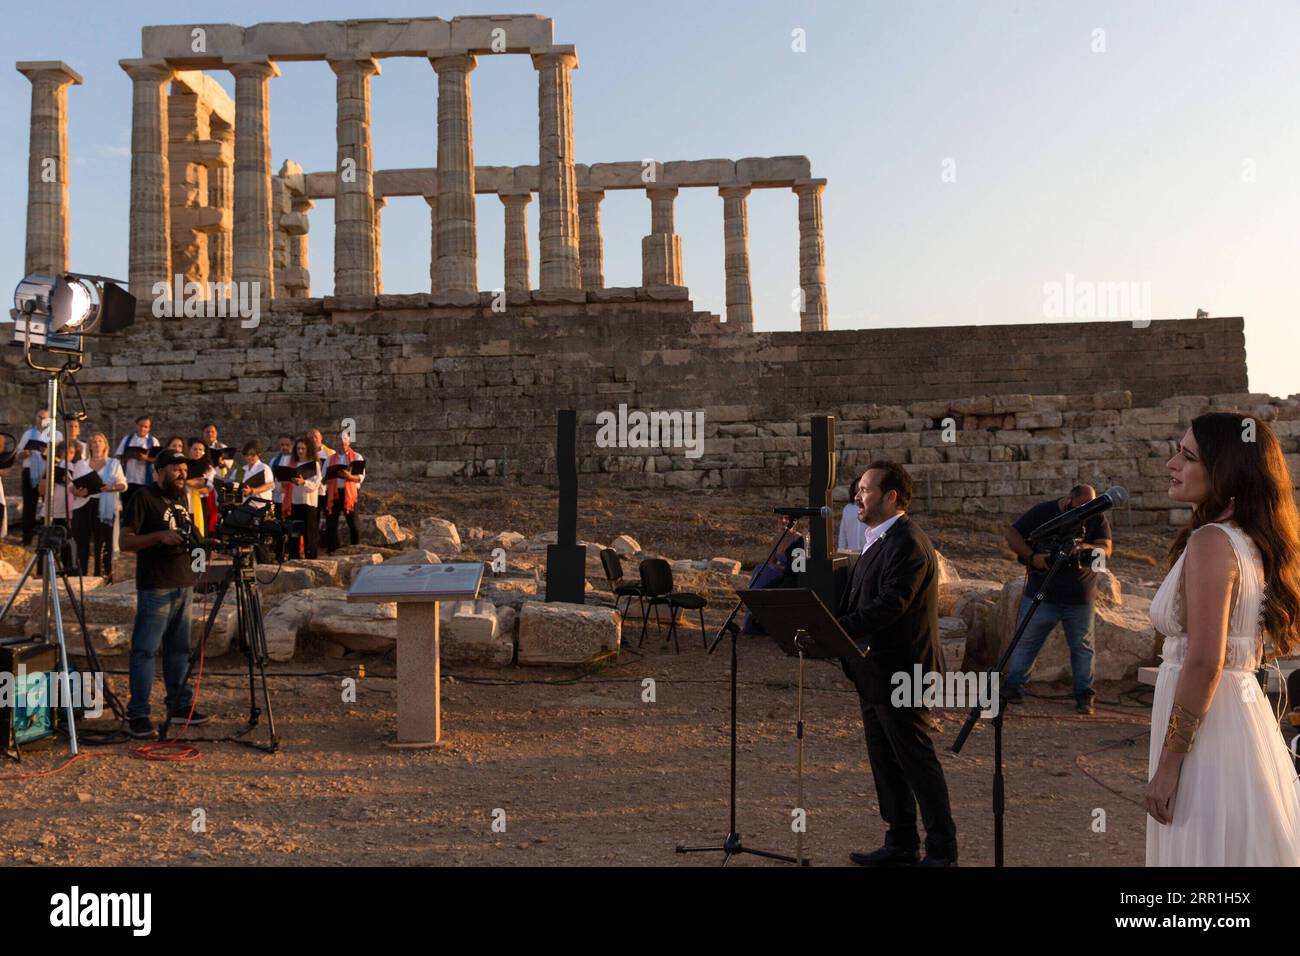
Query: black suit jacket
point(891, 610)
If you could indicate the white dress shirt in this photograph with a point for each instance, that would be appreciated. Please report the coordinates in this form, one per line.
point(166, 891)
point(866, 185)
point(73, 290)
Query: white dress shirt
point(875, 534)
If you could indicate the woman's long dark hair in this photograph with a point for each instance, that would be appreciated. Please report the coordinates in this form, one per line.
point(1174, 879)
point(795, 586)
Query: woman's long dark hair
point(1253, 477)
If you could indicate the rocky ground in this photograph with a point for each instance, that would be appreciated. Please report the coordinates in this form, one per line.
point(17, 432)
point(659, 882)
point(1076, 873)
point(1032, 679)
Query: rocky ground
point(615, 762)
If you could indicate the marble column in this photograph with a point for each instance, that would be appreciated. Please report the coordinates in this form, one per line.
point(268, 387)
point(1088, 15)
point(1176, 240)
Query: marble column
point(297, 281)
point(253, 226)
point(356, 258)
point(149, 259)
point(735, 231)
point(47, 166)
point(661, 251)
point(188, 127)
point(557, 193)
point(516, 203)
point(457, 238)
point(592, 245)
point(432, 200)
point(221, 197)
point(812, 255)
point(379, 203)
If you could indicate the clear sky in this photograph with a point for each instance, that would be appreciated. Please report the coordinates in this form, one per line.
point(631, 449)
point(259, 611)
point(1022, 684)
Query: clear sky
point(975, 152)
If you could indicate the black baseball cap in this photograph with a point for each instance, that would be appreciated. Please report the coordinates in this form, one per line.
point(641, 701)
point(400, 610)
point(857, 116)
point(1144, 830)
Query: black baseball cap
point(168, 457)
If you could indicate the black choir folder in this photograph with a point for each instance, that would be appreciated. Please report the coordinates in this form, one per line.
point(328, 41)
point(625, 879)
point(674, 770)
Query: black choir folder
point(90, 481)
point(289, 472)
point(140, 453)
point(782, 611)
point(357, 468)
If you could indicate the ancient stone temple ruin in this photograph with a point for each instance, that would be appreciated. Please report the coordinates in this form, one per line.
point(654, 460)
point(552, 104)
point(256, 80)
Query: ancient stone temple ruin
point(462, 383)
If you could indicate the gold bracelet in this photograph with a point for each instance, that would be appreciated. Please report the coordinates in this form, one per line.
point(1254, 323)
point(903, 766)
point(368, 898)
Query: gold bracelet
point(1183, 725)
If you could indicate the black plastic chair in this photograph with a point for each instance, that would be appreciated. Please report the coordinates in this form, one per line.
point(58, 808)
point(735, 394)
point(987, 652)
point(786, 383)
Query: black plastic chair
point(609, 560)
point(657, 591)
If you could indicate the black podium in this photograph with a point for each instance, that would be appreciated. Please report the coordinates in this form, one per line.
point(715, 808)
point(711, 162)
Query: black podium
point(803, 627)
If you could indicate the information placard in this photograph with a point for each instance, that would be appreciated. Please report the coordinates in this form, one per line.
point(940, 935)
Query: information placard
point(453, 581)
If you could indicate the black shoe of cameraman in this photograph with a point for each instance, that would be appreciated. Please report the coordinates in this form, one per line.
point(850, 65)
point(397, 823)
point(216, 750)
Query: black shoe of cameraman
point(195, 719)
point(141, 728)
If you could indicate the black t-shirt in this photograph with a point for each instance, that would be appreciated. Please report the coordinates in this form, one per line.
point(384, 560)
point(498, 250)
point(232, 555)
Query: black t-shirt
point(1072, 584)
point(162, 566)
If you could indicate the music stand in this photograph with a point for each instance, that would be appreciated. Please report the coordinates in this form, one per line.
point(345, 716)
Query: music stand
point(802, 626)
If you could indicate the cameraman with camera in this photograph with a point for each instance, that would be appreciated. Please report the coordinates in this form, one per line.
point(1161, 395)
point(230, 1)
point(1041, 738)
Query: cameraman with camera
point(157, 526)
point(1069, 599)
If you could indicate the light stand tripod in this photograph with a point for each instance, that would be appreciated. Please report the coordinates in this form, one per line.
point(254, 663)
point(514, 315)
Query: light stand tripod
point(52, 540)
point(731, 844)
point(1062, 549)
point(251, 637)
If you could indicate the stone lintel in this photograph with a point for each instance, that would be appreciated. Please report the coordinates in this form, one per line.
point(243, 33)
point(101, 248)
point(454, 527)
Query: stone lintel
point(321, 39)
point(598, 177)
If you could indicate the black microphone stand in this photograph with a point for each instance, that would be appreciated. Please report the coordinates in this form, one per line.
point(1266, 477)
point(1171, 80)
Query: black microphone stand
point(731, 844)
point(1062, 549)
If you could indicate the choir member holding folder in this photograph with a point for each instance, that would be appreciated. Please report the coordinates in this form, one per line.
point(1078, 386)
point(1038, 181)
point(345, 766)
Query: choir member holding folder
point(344, 472)
point(98, 528)
point(283, 504)
point(200, 496)
point(31, 450)
point(137, 453)
point(302, 485)
point(69, 467)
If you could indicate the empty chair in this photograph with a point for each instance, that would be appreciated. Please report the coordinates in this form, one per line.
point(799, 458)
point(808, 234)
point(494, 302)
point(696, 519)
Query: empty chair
point(657, 590)
point(609, 560)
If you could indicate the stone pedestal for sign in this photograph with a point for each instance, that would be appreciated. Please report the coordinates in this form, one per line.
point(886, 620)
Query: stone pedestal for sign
point(419, 676)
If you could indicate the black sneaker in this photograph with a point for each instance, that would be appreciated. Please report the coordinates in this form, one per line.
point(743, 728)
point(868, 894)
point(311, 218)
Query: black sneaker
point(1086, 706)
point(141, 728)
point(195, 719)
point(1013, 696)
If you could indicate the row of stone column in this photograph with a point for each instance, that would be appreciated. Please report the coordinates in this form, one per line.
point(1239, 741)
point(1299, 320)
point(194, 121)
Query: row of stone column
point(356, 256)
point(661, 250)
point(239, 189)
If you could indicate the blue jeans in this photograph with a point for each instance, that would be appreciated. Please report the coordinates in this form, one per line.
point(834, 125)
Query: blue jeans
point(1076, 619)
point(162, 617)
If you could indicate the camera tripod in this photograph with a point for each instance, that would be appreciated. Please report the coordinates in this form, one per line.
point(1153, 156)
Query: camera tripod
point(251, 638)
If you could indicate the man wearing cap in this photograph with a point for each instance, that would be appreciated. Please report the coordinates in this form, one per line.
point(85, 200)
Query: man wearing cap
point(158, 528)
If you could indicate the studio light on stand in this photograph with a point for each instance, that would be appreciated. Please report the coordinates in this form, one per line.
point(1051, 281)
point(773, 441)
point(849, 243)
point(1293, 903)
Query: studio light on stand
point(51, 317)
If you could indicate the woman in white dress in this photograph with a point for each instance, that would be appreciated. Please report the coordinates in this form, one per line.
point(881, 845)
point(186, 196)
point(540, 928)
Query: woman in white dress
point(1223, 788)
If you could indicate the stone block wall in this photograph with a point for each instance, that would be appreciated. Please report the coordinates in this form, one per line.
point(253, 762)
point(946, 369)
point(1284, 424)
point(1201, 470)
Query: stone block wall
point(468, 394)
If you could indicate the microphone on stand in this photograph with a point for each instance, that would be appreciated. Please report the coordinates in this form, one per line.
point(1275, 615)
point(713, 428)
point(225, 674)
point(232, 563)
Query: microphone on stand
point(1076, 517)
point(822, 512)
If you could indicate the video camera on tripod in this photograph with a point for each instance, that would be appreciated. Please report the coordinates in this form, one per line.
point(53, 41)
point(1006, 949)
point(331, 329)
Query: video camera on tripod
point(251, 523)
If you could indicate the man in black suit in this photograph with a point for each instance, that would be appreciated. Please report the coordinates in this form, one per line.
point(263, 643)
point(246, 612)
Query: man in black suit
point(891, 610)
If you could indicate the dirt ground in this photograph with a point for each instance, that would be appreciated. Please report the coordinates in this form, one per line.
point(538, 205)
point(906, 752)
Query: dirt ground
point(579, 767)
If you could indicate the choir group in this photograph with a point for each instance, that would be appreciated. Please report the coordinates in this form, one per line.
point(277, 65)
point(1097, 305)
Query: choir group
point(306, 481)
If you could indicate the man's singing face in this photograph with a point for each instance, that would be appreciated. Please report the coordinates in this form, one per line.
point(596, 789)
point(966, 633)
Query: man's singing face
point(210, 435)
point(142, 427)
point(874, 507)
